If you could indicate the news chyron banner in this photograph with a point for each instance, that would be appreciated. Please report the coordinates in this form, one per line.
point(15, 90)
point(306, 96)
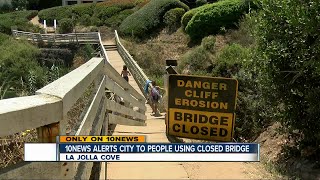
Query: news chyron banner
point(201, 107)
point(135, 149)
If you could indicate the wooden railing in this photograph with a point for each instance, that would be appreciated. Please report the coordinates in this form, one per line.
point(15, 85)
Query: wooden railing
point(82, 38)
point(48, 109)
point(138, 74)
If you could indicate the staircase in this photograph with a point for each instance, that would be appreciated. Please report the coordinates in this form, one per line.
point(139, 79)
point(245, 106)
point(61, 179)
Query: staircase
point(111, 47)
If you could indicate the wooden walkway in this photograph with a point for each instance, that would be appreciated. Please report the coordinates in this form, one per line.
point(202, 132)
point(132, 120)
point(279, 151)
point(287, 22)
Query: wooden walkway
point(155, 132)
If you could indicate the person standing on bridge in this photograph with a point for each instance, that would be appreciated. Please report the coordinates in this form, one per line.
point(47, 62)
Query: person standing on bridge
point(125, 73)
point(155, 98)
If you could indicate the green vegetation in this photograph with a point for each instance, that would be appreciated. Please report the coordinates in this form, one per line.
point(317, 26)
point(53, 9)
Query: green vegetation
point(18, 66)
point(99, 13)
point(115, 20)
point(208, 43)
point(188, 16)
point(288, 48)
point(201, 2)
point(148, 18)
point(172, 18)
point(24, 68)
point(66, 26)
point(18, 19)
point(213, 17)
point(194, 60)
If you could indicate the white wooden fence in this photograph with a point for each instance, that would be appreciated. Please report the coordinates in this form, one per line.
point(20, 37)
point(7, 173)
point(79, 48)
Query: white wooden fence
point(81, 38)
point(50, 105)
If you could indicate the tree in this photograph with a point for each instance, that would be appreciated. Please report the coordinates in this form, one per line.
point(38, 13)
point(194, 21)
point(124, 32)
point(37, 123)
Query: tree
point(33, 4)
point(288, 44)
point(19, 4)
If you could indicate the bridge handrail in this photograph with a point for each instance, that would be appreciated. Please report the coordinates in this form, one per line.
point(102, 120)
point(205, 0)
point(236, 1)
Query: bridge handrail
point(104, 52)
point(60, 38)
point(138, 73)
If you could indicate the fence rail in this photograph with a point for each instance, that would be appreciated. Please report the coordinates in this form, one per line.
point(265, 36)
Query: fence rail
point(48, 108)
point(140, 77)
point(82, 38)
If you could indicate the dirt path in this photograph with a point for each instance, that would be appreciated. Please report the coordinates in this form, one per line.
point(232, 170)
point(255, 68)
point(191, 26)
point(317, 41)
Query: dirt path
point(155, 132)
point(35, 21)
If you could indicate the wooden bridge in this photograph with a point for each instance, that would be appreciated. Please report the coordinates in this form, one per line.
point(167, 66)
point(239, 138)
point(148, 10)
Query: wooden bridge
point(113, 101)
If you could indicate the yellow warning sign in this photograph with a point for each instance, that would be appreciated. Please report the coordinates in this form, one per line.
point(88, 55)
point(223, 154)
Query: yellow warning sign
point(201, 107)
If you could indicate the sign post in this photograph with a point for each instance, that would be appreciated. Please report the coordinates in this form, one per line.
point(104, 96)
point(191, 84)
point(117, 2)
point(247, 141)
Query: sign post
point(201, 107)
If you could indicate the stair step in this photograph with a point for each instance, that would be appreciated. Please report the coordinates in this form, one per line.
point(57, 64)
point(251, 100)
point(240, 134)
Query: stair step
point(109, 45)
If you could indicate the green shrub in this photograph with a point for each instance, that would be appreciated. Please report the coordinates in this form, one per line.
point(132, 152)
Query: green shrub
point(85, 20)
point(253, 112)
point(195, 60)
point(188, 16)
point(57, 13)
point(66, 25)
point(18, 19)
point(83, 9)
point(95, 21)
point(94, 29)
point(102, 11)
point(123, 4)
point(172, 18)
point(17, 59)
point(213, 17)
point(289, 49)
point(117, 19)
point(201, 2)
point(105, 13)
point(208, 43)
point(148, 18)
point(3, 37)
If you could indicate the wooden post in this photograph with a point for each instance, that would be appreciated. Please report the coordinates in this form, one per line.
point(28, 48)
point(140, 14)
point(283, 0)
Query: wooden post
point(48, 133)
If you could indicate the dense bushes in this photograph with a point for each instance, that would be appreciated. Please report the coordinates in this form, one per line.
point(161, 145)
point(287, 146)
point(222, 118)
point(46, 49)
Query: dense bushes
point(17, 62)
point(148, 18)
point(197, 59)
point(18, 19)
point(201, 2)
point(215, 16)
point(117, 19)
point(106, 13)
point(172, 18)
point(57, 13)
point(24, 68)
point(253, 112)
point(188, 15)
point(289, 48)
point(99, 12)
point(208, 43)
point(66, 26)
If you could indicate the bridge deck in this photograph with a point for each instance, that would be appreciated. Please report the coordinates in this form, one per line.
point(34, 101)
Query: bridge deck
point(155, 132)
